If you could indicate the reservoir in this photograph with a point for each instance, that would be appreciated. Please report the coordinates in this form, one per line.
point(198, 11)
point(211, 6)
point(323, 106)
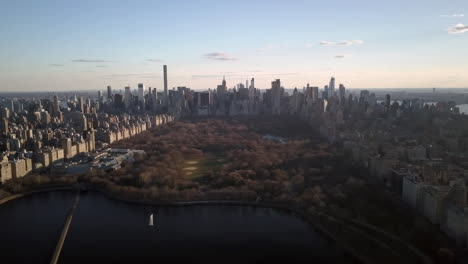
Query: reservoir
point(105, 230)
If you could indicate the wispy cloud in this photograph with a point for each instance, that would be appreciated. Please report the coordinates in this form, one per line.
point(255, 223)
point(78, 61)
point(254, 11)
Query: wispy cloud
point(102, 66)
point(56, 65)
point(341, 56)
point(453, 15)
point(341, 43)
point(458, 29)
point(220, 56)
point(154, 60)
point(93, 61)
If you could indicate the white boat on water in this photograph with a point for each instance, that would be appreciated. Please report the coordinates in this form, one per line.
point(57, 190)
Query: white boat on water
point(151, 220)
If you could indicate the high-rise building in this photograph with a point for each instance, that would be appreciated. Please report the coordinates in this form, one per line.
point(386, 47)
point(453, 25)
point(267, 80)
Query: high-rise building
point(4, 126)
point(141, 92)
point(252, 83)
point(276, 96)
point(342, 91)
point(387, 103)
point(81, 104)
point(127, 96)
point(109, 93)
point(315, 93)
point(221, 89)
point(331, 87)
point(100, 96)
point(56, 105)
point(165, 83)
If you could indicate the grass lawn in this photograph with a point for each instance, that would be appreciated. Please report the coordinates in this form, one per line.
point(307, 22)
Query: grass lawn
point(198, 166)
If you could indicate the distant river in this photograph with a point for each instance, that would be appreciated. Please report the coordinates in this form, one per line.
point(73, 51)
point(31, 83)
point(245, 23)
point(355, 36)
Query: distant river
point(105, 230)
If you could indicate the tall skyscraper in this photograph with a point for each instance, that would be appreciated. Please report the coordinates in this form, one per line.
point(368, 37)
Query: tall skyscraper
point(342, 91)
point(276, 96)
point(81, 104)
point(331, 87)
point(141, 92)
point(165, 81)
point(56, 105)
point(387, 103)
point(109, 93)
point(252, 83)
point(127, 96)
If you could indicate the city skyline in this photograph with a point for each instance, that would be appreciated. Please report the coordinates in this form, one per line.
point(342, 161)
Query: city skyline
point(87, 46)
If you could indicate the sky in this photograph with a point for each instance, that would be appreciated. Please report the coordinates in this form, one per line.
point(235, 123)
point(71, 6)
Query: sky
point(86, 45)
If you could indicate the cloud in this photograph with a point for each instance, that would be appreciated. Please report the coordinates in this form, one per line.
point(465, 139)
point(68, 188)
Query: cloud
point(458, 29)
point(339, 56)
point(341, 43)
point(154, 60)
point(56, 65)
point(218, 56)
point(453, 15)
point(92, 61)
point(327, 43)
point(102, 66)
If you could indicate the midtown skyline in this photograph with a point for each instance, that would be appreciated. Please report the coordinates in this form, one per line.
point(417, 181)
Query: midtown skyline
point(87, 46)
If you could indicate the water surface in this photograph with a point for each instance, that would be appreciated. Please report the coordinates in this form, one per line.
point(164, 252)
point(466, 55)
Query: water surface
point(105, 230)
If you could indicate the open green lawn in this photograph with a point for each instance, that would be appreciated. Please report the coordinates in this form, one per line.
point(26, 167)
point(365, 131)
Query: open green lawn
point(194, 167)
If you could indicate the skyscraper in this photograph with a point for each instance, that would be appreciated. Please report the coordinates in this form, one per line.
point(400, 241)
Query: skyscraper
point(165, 83)
point(342, 91)
point(81, 104)
point(276, 96)
point(56, 105)
point(141, 92)
point(109, 93)
point(127, 96)
point(331, 87)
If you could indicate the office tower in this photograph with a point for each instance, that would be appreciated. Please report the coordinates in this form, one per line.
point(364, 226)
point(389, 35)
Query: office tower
point(326, 92)
point(165, 83)
point(56, 105)
point(276, 96)
point(127, 96)
point(67, 148)
point(387, 103)
point(221, 89)
point(251, 90)
point(342, 91)
point(80, 104)
point(109, 93)
point(4, 126)
point(141, 92)
point(315, 93)
point(247, 84)
point(331, 87)
point(100, 96)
